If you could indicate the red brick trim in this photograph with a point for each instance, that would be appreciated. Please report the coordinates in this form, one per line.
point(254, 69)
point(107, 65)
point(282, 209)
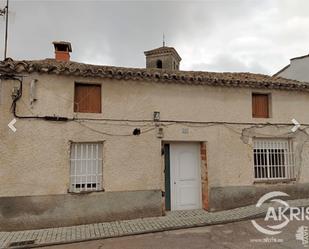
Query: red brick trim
point(204, 175)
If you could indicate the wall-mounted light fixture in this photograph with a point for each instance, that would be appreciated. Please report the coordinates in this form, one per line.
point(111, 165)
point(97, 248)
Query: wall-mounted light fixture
point(160, 132)
point(156, 116)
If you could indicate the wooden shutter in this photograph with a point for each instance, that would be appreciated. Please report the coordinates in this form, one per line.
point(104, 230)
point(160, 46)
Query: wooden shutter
point(87, 98)
point(260, 105)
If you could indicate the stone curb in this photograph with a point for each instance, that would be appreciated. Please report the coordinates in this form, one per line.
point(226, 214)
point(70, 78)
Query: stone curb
point(140, 233)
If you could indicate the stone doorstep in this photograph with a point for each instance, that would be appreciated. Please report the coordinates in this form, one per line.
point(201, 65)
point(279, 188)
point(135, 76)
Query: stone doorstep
point(172, 221)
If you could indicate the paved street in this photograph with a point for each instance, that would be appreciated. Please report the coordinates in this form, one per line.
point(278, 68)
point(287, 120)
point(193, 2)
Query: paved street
point(236, 235)
point(172, 221)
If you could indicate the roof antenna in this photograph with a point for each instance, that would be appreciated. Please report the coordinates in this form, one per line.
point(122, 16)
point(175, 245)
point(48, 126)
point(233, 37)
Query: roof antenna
point(163, 40)
point(5, 12)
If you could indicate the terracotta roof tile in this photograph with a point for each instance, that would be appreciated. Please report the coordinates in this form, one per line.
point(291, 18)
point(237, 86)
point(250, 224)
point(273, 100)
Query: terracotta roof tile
point(249, 80)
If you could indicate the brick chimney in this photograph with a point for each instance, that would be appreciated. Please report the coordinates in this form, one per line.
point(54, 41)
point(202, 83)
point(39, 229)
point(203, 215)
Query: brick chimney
point(62, 50)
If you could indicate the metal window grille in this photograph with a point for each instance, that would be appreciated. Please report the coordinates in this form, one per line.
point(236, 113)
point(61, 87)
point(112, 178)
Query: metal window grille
point(273, 159)
point(86, 167)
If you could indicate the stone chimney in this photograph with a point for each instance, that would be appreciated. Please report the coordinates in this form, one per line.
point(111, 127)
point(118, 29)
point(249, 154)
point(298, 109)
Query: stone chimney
point(62, 50)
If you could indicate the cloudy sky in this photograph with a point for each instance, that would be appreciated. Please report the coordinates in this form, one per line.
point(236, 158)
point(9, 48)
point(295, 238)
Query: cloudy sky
point(218, 35)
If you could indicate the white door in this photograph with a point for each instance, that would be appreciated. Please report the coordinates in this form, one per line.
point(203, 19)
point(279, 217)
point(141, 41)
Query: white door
point(185, 176)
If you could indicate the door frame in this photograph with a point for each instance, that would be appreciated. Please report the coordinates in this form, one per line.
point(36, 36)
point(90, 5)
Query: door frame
point(204, 194)
point(167, 176)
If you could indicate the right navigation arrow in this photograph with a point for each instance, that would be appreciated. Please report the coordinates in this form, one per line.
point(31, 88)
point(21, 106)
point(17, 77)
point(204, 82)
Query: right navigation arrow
point(296, 125)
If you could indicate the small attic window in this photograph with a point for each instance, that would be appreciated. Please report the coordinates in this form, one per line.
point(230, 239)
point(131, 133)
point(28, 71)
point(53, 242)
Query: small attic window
point(159, 64)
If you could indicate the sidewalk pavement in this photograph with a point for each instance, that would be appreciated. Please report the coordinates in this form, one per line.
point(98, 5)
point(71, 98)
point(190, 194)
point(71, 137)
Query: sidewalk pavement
point(172, 221)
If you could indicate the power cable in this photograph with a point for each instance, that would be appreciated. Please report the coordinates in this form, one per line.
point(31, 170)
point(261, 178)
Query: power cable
point(111, 134)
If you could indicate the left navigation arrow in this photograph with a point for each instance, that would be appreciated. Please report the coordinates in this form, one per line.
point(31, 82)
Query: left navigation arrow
point(11, 125)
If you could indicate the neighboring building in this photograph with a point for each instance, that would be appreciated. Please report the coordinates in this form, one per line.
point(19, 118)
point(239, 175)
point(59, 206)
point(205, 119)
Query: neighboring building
point(100, 143)
point(298, 69)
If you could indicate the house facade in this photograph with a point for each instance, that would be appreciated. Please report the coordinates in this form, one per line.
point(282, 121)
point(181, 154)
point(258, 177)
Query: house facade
point(101, 143)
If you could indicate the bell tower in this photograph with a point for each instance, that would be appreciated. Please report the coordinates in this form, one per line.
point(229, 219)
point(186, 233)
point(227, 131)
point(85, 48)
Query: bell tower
point(163, 58)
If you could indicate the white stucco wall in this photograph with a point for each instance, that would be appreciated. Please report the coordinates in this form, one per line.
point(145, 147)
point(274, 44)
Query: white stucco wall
point(298, 70)
point(35, 159)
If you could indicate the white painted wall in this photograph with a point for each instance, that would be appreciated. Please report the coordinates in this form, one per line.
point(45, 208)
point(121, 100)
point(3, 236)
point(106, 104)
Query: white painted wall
point(298, 70)
point(35, 159)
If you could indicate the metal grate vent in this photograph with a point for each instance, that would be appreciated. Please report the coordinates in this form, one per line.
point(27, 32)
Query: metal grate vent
point(21, 244)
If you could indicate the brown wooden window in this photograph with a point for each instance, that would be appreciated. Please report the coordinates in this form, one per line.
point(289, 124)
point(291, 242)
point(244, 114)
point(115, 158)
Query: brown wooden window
point(87, 98)
point(260, 105)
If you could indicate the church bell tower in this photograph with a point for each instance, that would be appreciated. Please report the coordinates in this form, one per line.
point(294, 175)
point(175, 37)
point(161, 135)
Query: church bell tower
point(163, 58)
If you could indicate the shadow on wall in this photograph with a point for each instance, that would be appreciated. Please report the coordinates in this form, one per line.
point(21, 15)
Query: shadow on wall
point(34, 212)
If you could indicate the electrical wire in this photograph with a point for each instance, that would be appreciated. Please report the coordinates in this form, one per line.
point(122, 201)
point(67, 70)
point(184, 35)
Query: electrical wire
point(188, 122)
point(113, 134)
point(27, 107)
point(117, 123)
point(57, 95)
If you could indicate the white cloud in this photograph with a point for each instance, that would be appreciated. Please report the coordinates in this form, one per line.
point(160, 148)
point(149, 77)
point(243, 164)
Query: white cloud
point(224, 35)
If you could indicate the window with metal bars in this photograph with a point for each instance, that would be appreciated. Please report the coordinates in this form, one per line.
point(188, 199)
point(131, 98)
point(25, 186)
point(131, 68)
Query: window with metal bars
point(86, 167)
point(273, 159)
